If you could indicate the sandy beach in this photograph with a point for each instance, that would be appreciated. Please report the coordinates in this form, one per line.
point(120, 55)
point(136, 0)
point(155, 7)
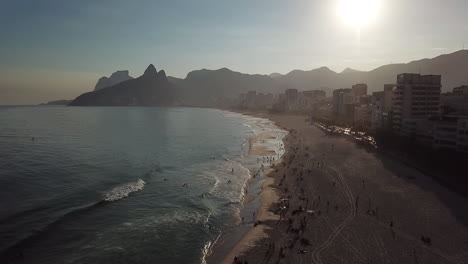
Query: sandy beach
point(267, 197)
point(332, 201)
point(264, 148)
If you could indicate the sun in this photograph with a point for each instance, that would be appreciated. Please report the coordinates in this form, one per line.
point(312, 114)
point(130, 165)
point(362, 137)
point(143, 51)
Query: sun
point(358, 13)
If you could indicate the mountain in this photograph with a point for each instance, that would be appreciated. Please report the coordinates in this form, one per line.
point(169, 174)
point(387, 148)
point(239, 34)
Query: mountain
point(115, 78)
point(57, 102)
point(453, 68)
point(349, 70)
point(206, 87)
point(309, 80)
point(216, 87)
point(150, 89)
point(275, 75)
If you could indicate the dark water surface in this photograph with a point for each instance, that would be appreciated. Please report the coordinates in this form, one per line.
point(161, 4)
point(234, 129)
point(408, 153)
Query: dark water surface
point(105, 184)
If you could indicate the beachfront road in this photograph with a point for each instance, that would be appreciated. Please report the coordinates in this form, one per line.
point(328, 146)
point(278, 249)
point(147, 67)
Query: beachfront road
point(363, 207)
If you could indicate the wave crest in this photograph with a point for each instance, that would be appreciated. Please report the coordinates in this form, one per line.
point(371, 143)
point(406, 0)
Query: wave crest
point(124, 190)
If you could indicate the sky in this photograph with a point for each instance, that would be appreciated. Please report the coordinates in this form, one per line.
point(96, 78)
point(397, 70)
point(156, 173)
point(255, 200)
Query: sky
point(55, 49)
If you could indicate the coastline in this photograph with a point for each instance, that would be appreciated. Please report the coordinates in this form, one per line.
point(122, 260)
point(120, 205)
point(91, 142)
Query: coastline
point(268, 196)
point(353, 182)
point(249, 234)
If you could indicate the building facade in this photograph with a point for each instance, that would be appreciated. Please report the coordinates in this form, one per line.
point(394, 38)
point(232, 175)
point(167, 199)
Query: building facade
point(343, 103)
point(456, 101)
point(359, 90)
point(450, 132)
point(381, 106)
point(416, 97)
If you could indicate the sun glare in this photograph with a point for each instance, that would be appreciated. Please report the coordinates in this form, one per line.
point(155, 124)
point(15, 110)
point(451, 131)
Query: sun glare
point(358, 13)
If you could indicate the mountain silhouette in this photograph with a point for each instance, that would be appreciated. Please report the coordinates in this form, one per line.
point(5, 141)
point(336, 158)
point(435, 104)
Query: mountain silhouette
point(150, 89)
point(206, 87)
point(349, 70)
point(212, 87)
point(275, 75)
point(57, 102)
point(453, 68)
point(115, 78)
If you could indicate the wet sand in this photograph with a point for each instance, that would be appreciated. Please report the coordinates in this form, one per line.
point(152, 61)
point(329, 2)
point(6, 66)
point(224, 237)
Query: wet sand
point(345, 204)
point(267, 197)
point(256, 202)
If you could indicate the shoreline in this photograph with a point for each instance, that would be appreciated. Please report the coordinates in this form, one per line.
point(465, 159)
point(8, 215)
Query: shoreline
point(268, 197)
point(251, 233)
point(379, 207)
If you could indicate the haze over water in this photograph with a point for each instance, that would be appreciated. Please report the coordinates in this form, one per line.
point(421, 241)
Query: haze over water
point(105, 185)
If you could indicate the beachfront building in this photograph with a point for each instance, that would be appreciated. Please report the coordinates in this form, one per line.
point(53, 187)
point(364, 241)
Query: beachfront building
point(450, 132)
point(309, 100)
point(292, 96)
point(455, 102)
point(381, 106)
point(362, 115)
point(252, 100)
point(416, 98)
point(359, 90)
point(264, 101)
point(346, 105)
point(462, 141)
point(317, 95)
point(336, 99)
point(343, 103)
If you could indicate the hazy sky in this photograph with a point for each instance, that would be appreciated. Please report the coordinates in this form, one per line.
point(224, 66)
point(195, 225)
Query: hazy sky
point(57, 49)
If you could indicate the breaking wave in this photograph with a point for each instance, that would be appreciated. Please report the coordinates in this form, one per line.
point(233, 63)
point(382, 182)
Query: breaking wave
point(124, 190)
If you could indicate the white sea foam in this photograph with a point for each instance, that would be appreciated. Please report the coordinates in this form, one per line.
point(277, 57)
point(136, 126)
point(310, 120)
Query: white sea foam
point(207, 249)
point(124, 190)
point(251, 129)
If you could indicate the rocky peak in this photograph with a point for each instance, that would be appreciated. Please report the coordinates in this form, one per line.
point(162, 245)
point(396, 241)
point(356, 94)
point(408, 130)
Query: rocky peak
point(150, 71)
point(162, 75)
point(115, 78)
point(120, 75)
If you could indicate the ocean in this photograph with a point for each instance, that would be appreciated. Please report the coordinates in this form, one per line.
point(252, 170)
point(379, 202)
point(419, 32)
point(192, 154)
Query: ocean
point(125, 184)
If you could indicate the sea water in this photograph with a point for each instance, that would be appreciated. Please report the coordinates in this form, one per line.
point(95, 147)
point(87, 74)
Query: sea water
point(123, 184)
